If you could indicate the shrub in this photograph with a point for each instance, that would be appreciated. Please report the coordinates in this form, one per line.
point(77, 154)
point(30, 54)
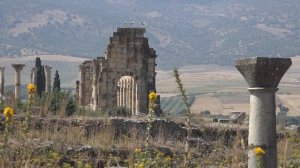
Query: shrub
point(71, 108)
point(118, 111)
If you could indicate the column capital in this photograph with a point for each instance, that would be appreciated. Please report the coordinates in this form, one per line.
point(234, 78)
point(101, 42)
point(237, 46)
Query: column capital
point(263, 72)
point(48, 67)
point(81, 67)
point(2, 68)
point(18, 67)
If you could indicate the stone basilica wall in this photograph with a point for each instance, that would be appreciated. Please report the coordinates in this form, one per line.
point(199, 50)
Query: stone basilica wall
point(128, 56)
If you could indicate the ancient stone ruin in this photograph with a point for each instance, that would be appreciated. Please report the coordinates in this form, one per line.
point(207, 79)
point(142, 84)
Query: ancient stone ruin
point(123, 77)
point(263, 76)
point(18, 68)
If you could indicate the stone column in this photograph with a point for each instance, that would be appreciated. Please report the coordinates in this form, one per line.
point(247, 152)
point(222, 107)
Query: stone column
point(94, 86)
point(133, 98)
point(81, 78)
point(18, 68)
point(263, 76)
point(94, 97)
point(48, 78)
point(1, 81)
point(118, 96)
point(123, 92)
point(127, 92)
point(33, 76)
point(136, 98)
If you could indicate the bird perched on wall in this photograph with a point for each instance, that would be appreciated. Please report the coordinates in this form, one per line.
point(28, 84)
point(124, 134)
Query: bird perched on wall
point(132, 22)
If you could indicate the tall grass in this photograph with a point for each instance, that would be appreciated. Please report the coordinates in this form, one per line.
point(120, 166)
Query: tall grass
point(188, 115)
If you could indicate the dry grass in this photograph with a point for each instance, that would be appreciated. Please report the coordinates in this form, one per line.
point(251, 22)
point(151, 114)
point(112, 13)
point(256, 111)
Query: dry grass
point(288, 151)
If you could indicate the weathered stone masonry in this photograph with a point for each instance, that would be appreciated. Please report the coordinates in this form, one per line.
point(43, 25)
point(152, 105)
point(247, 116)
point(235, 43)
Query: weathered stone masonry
point(123, 77)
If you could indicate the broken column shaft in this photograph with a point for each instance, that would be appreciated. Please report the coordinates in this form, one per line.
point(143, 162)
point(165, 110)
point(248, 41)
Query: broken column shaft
point(2, 81)
point(33, 76)
point(48, 78)
point(18, 68)
point(263, 76)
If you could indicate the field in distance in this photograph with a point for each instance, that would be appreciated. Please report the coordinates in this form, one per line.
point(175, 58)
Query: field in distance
point(222, 89)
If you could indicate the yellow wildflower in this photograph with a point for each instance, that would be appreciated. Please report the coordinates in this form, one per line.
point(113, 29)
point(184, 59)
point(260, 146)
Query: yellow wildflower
point(8, 113)
point(140, 165)
point(168, 159)
point(31, 88)
point(160, 154)
point(259, 151)
point(138, 150)
point(152, 97)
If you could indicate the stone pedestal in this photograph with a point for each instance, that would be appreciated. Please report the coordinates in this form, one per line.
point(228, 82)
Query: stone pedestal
point(1, 81)
point(263, 76)
point(48, 78)
point(18, 68)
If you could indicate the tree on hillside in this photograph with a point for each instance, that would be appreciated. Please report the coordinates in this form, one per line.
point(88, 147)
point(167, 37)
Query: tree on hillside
point(56, 82)
point(40, 76)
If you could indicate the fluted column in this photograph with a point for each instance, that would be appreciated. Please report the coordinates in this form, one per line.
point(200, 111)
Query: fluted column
point(2, 81)
point(118, 96)
point(18, 68)
point(133, 97)
point(124, 93)
point(263, 76)
point(127, 93)
point(48, 78)
point(130, 95)
point(136, 99)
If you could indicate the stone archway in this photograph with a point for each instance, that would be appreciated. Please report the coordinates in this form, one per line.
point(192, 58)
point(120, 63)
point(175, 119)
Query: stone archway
point(127, 93)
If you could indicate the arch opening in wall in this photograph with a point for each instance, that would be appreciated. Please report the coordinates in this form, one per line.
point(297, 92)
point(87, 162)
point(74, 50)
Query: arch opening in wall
point(127, 93)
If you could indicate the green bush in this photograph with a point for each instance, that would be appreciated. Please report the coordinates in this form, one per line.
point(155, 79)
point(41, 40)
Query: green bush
point(71, 108)
point(119, 111)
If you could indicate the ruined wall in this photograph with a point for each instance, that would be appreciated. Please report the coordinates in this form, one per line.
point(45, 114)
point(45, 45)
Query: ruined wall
point(128, 54)
point(86, 83)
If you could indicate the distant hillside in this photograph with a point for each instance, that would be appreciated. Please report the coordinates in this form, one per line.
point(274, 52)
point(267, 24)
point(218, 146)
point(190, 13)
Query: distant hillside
point(182, 32)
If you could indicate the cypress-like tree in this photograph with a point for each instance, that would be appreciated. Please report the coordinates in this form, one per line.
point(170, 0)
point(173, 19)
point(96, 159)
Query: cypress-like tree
point(71, 108)
point(56, 82)
point(40, 76)
point(57, 95)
